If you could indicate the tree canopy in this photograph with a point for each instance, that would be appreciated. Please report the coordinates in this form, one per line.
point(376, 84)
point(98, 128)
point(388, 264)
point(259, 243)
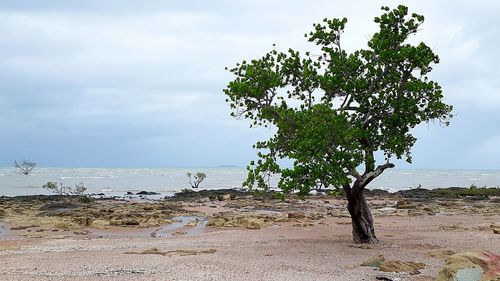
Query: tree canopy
point(333, 110)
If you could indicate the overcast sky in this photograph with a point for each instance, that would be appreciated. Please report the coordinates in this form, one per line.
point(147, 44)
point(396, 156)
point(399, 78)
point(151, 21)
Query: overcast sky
point(139, 83)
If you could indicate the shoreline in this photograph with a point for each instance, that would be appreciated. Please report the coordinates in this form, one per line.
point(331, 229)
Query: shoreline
point(117, 181)
point(242, 236)
point(452, 191)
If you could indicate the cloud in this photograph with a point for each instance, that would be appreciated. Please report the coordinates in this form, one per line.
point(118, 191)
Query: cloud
point(491, 145)
point(126, 83)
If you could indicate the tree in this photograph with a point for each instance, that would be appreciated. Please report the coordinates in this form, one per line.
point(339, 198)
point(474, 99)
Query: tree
point(25, 167)
point(334, 110)
point(195, 180)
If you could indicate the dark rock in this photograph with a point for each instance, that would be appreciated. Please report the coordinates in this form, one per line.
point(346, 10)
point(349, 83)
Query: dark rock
point(200, 194)
point(386, 278)
point(129, 193)
point(296, 215)
point(125, 222)
point(377, 192)
point(23, 227)
point(147, 193)
point(417, 193)
point(57, 206)
point(477, 198)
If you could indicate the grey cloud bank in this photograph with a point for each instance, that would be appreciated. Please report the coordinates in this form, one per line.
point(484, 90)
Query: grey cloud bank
point(139, 84)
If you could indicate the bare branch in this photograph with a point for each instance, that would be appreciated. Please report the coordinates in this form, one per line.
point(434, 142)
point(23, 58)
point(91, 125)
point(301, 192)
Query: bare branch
point(355, 174)
point(368, 177)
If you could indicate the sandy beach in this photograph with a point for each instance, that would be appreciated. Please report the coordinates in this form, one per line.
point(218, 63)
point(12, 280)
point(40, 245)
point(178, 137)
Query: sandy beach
point(244, 238)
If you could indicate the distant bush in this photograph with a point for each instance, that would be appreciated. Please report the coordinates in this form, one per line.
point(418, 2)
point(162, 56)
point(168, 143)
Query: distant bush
point(186, 190)
point(25, 167)
point(54, 187)
point(220, 197)
point(86, 199)
point(60, 189)
point(471, 191)
point(195, 180)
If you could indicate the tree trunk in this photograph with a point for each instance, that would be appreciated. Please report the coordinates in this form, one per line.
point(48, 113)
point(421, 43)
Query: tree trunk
point(362, 220)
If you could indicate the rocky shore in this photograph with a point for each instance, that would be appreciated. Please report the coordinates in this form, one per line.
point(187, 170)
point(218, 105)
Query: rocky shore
point(418, 230)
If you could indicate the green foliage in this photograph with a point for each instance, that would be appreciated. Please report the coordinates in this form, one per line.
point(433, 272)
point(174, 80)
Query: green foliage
point(86, 199)
point(211, 197)
point(195, 180)
point(54, 187)
point(471, 191)
point(79, 189)
point(279, 196)
point(232, 196)
point(333, 110)
point(186, 190)
point(336, 192)
point(220, 197)
point(60, 189)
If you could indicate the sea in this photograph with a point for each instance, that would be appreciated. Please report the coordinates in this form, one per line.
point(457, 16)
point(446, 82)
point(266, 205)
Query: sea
point(167, 181)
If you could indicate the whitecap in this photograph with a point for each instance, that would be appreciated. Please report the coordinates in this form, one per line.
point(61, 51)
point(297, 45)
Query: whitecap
point(95, 177)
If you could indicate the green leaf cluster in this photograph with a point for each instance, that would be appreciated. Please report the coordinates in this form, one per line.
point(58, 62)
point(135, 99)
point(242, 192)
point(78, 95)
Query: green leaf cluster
point(333, 110)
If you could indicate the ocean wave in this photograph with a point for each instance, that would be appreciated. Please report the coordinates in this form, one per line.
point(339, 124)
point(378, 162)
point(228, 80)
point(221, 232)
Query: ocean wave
point(92, 177)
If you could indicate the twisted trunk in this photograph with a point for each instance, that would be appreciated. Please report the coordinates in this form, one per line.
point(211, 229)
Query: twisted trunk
point(362, 220)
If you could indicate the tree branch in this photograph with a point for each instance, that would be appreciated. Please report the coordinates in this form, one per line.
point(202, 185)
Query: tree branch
point(355, 174)
point(368, 177)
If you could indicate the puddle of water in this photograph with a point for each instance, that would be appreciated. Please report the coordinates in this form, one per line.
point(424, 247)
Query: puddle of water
point(6, 233)
point(3, 230)
point(179, 227)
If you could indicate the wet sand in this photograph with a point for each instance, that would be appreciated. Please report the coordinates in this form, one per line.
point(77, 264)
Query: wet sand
point(313, 245)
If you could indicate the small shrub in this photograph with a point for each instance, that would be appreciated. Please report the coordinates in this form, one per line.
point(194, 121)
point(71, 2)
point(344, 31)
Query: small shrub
point(78, 190)
point(195, 180)
point(220, 197)
point(211, 197)
point(279, 196)
point(60, 189)
point(186, 190)
point(86, 199)
point(54, 187)
point(232, 196)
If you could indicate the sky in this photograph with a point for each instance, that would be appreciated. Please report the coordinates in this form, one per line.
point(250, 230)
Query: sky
point(122, 83)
